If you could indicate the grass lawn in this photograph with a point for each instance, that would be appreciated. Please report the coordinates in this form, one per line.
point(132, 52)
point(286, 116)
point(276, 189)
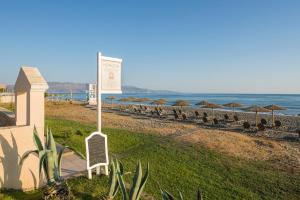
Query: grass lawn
point(175, 166)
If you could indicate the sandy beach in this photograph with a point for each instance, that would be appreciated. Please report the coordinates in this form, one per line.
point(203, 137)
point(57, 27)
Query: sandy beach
point(282, 150)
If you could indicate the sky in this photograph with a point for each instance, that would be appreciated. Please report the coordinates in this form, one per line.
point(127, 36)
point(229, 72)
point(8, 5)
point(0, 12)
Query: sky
point(212, 46)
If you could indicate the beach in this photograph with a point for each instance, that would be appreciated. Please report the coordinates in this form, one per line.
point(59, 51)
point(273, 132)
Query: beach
point(281, 149)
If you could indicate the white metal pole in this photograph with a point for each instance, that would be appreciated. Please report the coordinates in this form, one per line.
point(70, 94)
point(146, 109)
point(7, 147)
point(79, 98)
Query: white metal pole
point(99, 63)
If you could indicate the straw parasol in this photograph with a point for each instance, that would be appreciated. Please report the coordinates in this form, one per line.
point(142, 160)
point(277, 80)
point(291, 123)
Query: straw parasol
point(212, 106)
point(181, 103)
point(257, 109)
point(232, 105)
point(159, 102)
point(145, 99)
point(124, 99)
point(274, 108)
point(202, 103)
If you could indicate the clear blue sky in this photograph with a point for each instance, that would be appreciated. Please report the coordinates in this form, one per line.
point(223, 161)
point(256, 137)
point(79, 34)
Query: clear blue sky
point(192, 46)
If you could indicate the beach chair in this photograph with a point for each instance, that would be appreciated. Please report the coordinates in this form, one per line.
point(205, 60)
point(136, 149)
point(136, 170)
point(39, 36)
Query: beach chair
point(197, 114)
point(261, 127)
point(184, 117)
point(263, 122)
point(204, 119)
point(205, 114)
point(236, 118)
point(158, 113)
point(216, 121)
point(277, 124)
point(226, 117)
point(176, 117)
point(246, 125)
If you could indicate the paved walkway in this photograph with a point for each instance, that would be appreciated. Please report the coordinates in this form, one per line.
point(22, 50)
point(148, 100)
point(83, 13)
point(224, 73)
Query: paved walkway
point(72, 164)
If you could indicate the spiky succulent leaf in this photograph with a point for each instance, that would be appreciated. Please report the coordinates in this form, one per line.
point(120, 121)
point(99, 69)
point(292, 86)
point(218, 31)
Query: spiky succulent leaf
point(180, 195)
point(26, 154)
point(42, 156)
point(136, 182)
point(122, 185)
point(60, 154)
point(166, 195)
point(113, 181)
point(143, 183)
point(76, 152)
point(120, 166)
point(52, 146)
point(37, 140)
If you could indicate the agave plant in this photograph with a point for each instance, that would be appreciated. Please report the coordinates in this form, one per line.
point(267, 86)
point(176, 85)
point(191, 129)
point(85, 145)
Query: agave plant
point(168, 196)
point(138, 184)
point(50, 162)
point(115, 167)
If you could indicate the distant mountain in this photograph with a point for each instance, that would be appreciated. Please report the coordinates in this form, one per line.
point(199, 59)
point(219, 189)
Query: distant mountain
point(60, 87)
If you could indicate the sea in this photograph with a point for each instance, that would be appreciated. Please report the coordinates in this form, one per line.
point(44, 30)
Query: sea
point(290, 101)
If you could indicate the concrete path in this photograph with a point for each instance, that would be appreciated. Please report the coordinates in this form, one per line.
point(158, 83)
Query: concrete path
point(72, 164)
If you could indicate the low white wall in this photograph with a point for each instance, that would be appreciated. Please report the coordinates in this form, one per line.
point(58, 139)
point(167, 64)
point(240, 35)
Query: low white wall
point(14, 142)
point(7, 97)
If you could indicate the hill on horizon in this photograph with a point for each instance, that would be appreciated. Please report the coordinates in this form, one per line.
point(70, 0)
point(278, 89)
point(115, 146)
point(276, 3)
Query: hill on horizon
point(67, 87)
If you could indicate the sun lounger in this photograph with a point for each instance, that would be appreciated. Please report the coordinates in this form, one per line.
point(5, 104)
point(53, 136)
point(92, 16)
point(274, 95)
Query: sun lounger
point(261, 127)
point(246, 125)
point(263, 122)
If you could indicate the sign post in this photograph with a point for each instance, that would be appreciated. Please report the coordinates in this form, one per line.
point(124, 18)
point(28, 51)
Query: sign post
point(108, 82)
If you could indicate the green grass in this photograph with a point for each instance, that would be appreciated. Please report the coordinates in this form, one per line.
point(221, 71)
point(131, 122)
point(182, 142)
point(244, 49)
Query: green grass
point(175, 165)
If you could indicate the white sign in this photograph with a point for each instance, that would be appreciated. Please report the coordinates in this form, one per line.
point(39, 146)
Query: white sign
point(108, 82)
point(110, 75)
point(92, 88)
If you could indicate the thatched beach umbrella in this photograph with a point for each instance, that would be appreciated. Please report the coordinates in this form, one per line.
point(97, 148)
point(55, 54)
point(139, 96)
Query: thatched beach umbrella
point(257, 109)
point(159, 102)
point(232, 105)
point(202, 103)
point(274, 108)
point(181, 103)
point(124, 99)
point(212, 106)
point(145, 99)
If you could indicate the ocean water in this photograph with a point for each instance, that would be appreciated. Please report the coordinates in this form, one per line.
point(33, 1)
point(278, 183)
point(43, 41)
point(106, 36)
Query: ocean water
point(289, 101)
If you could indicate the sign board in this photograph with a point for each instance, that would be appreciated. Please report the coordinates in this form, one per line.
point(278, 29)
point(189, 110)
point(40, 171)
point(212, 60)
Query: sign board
point(110, 75)
point(97, 154)
point(92, 88)
point(108, 82)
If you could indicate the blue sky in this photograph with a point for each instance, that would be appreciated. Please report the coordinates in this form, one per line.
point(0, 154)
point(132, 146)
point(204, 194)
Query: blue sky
point(192, 46)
